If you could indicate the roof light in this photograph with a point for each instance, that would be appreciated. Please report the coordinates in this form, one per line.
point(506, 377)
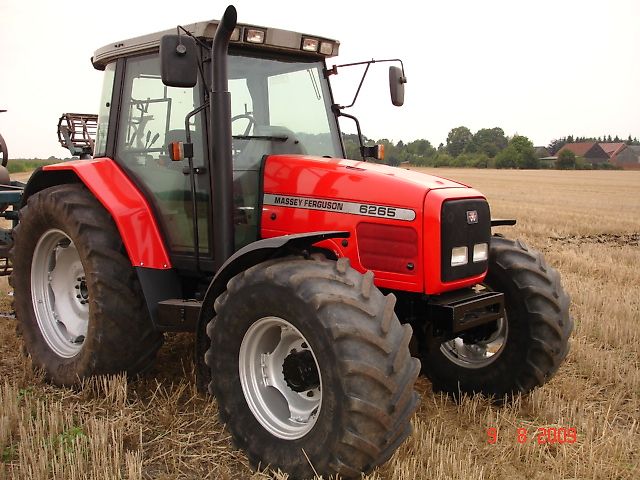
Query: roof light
point(235, 36)
point(253, 35)
point(326, 48)
point(310, 44)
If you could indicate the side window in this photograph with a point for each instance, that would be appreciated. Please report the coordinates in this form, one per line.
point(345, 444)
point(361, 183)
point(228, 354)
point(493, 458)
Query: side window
point(241, 107)
point(104, 110)
point(151, 117)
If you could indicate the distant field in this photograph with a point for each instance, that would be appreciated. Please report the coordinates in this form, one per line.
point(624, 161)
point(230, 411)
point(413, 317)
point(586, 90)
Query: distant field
point(21, 165)
point(588, 225)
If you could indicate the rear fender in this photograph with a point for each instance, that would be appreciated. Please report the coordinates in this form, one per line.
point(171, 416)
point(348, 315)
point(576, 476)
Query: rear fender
point(120, 197)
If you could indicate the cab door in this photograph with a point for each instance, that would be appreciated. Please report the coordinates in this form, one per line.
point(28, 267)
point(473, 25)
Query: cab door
point(151, 116)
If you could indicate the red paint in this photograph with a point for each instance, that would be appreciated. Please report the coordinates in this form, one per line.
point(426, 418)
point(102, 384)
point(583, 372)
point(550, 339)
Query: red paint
point(351, 181)
point(128, 207)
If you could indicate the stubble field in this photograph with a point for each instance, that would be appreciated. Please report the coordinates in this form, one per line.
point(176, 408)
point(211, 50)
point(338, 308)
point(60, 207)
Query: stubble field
point(588, 226)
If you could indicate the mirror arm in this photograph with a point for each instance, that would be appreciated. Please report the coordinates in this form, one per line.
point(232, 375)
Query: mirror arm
point(359, 86)
point(189, 116)
point(192, 183)
point(339, 113)
point(334, 71)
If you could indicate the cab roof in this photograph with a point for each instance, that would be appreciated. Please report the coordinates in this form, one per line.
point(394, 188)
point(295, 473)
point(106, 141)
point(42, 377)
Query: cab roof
point(274, 39)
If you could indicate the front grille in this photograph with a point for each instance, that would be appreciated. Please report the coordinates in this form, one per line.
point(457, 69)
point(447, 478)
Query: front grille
point(458, 230)
point(387, 248)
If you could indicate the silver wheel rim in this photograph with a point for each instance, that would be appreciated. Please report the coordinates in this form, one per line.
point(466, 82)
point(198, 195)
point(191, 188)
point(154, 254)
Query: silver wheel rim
point(282, 411)
point(481, 353)
point(59, 293)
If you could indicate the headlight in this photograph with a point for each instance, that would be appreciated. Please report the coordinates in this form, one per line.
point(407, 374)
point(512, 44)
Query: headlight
point(480, 252)
point(458, 256)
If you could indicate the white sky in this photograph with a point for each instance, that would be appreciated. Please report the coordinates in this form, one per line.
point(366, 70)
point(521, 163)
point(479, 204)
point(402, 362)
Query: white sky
point(544, 68)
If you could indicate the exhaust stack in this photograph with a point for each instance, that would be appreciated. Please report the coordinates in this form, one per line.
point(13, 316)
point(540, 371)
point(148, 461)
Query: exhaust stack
point(221, 161)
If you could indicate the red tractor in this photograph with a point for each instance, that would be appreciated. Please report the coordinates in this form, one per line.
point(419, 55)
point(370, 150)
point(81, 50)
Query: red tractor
point(218, 201)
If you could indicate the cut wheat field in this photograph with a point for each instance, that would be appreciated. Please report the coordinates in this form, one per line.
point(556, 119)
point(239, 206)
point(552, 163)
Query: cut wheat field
point(587, 223)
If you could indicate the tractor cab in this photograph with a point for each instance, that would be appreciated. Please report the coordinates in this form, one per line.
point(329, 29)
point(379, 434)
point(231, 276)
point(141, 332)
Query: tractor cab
point(280, 104)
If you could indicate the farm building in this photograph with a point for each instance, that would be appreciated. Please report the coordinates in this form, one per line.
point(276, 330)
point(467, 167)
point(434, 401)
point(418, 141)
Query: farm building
point(541, 152)
point(613, 149)
point(629, 158)
point(590, 151)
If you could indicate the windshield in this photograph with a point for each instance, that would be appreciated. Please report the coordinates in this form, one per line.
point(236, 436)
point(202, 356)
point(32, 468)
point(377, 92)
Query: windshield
point(279, 107)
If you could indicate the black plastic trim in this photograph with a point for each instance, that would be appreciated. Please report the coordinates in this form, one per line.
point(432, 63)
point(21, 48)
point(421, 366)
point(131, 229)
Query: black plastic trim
point(260, 206)
point(41, 179)
point(503, 221)
point(178, 315)
point(158, 285)
point(457, 231)
point(116, 107)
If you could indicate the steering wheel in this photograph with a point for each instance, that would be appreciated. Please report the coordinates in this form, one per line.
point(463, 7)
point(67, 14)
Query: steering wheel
point(250, 124)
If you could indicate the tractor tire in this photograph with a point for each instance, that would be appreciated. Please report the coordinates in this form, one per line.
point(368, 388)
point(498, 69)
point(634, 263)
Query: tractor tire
point(311, 368)
point(79, 305)
point(523, 349)
point(4, 152)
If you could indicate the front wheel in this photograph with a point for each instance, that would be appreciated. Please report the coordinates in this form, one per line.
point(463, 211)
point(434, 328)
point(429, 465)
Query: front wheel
point(311, 367)
point(521, 350)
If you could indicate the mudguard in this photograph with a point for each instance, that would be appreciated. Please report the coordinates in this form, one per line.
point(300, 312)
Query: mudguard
point(120, 197)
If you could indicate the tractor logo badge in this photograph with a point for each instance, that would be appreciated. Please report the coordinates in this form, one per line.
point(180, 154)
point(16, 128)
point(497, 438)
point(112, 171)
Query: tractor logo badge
point(472, 216)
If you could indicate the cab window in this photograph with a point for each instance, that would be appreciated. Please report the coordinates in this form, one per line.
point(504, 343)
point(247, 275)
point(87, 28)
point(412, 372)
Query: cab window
point(152, 116)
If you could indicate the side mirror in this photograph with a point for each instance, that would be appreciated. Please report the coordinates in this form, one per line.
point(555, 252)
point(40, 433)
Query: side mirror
point(178, 61)
point(396, 85)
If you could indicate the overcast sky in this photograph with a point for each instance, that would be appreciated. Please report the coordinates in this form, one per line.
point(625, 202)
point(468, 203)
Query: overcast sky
point(543, 68)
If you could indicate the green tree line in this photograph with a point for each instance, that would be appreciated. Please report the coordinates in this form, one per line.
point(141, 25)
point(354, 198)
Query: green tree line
point(486, 148)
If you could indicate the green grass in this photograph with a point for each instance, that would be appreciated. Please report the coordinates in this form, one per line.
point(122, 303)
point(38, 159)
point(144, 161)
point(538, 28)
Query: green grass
point(26, 165)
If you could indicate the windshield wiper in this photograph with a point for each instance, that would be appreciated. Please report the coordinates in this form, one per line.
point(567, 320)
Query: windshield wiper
point(279, 138)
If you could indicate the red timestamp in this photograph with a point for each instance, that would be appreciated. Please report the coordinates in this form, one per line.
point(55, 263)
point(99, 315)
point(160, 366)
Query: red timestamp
point(541, 436)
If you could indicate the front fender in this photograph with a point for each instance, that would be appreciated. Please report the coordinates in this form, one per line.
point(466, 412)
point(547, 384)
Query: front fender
point(257, 252)
point(243, 259)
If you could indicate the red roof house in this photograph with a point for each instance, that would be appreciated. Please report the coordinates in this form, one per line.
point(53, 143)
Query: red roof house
point(590, 151)
point(613, 149)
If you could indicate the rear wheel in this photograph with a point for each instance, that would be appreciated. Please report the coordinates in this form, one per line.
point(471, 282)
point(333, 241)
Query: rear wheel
point(311, 368)
point(518, 352)
point(4, 152)
point(77, 299)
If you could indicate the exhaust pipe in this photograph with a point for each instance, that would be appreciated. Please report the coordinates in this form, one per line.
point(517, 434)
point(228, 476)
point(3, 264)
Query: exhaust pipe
point(220, 159)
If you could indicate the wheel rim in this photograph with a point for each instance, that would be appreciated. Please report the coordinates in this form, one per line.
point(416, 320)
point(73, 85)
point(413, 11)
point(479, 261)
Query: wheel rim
point(280, 378)
point(59, 293)
point(481, 353)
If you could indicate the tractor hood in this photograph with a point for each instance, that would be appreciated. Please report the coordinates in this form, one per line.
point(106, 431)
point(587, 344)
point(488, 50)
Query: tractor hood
point(348, 180)
point(390, 213)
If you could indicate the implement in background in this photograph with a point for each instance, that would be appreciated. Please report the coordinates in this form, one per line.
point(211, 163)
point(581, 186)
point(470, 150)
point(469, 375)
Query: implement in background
point(76, 132)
